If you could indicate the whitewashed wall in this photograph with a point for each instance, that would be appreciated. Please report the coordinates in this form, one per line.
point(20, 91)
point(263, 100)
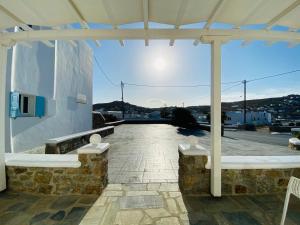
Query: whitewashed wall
point(58, 74)
point(256, 118)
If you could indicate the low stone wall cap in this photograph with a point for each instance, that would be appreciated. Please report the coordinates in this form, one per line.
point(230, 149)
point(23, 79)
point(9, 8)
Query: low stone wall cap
point(294, 141)
point(93, 148)
point(188, 149)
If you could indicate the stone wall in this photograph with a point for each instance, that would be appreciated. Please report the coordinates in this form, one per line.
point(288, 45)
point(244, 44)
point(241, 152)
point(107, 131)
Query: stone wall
point(64, 147)
point(194, 179)
point(90, 178)
point(293, 146)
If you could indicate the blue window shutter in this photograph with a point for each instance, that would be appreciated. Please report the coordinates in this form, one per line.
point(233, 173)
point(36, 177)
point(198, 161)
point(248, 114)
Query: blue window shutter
point(39, 106)
point(14, 109)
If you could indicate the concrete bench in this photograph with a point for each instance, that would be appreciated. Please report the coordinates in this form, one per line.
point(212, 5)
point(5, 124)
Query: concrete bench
point(240, 174)
point(68, 143)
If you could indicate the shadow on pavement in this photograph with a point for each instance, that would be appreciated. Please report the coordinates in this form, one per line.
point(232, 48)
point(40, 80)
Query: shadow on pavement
point(190, 132)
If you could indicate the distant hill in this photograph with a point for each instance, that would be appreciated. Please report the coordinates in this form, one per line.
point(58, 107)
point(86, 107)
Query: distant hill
point(118, 106)
point(285, 107)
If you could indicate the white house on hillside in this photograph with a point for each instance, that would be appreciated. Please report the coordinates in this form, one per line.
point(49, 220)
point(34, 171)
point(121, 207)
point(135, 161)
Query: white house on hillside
point(49, 93)
point(255, 118)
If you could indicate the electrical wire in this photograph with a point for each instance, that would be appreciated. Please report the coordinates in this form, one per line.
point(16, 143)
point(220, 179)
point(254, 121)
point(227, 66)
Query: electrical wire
point(236, 83)
point(176, 86)
point(232, 87)
point(231, 82)
point(104, 73)
point(166, 86)
point(275, 75)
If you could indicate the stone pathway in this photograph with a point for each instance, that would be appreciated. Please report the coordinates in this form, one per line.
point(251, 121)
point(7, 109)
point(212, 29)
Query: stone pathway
point(163, 204)
point(143, 153)
point(28, 209)
point(140, 204)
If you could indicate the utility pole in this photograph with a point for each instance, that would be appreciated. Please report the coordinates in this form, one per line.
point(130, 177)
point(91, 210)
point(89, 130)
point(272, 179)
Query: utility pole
point(245, 101)
point(123, 108)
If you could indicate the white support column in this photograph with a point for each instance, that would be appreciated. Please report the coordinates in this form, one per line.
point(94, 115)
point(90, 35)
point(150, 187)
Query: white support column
point(215, 186)
point(3, 60)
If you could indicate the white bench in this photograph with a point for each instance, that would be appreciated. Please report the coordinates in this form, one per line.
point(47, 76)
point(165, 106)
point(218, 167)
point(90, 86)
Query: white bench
point(77, 135)
point(68, 143)
point(42, 160)
point(244, 162)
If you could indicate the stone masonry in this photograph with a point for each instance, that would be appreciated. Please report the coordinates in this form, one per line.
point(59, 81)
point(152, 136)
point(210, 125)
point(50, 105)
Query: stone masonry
point(294, 147)
point(90, 178)
point(194, 179)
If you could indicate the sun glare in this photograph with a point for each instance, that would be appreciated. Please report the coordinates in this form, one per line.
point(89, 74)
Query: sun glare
point(160, 64)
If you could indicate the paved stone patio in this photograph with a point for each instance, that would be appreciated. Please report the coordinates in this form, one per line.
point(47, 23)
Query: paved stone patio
point(25, 209)
point(140, 204)
point(163, 204)
point(142, 153)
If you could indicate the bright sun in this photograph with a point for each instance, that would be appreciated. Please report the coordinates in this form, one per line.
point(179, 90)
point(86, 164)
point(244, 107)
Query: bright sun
point(160, 64)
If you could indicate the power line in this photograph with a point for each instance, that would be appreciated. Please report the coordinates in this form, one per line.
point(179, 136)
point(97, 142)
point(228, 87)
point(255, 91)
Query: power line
point(104, 73)
point(236, 83)
point(226, 89)
point(177, 86)
point(166, 86)
point(275, 75)
point(231, 82)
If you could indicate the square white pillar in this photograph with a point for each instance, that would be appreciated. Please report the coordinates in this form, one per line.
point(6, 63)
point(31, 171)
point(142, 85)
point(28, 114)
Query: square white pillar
point(215, 112)
point(3, 61)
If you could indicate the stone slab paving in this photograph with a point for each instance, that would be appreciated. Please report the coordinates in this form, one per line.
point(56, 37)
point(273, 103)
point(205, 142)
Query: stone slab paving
point(139, 204)
point(29, 209)
point(143, 153)
point(163, 204)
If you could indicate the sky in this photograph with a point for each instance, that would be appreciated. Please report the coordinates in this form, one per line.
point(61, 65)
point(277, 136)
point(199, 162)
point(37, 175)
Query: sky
point(185, 64)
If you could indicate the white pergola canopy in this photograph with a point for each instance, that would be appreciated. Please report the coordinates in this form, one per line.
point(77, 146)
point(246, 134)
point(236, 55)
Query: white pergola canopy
point(237, 13)
point(174, 12)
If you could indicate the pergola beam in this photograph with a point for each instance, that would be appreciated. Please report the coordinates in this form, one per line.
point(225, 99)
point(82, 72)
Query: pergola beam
point(211, 18)
point(145, 4)
point(283, 13)
point(72, 42)
point(180, 15)
point(140, 34)
point(111, 18)
point(214, 13)
point(245, 43)
point(21, 24)
point(83, 22)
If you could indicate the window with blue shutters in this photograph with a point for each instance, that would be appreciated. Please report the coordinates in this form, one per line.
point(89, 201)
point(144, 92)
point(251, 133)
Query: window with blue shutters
point(14, 104)
point(24, 105)
point(39, 106)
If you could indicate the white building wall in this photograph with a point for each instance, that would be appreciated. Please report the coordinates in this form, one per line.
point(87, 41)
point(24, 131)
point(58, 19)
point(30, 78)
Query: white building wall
point(256, 118)
point(36, 71)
